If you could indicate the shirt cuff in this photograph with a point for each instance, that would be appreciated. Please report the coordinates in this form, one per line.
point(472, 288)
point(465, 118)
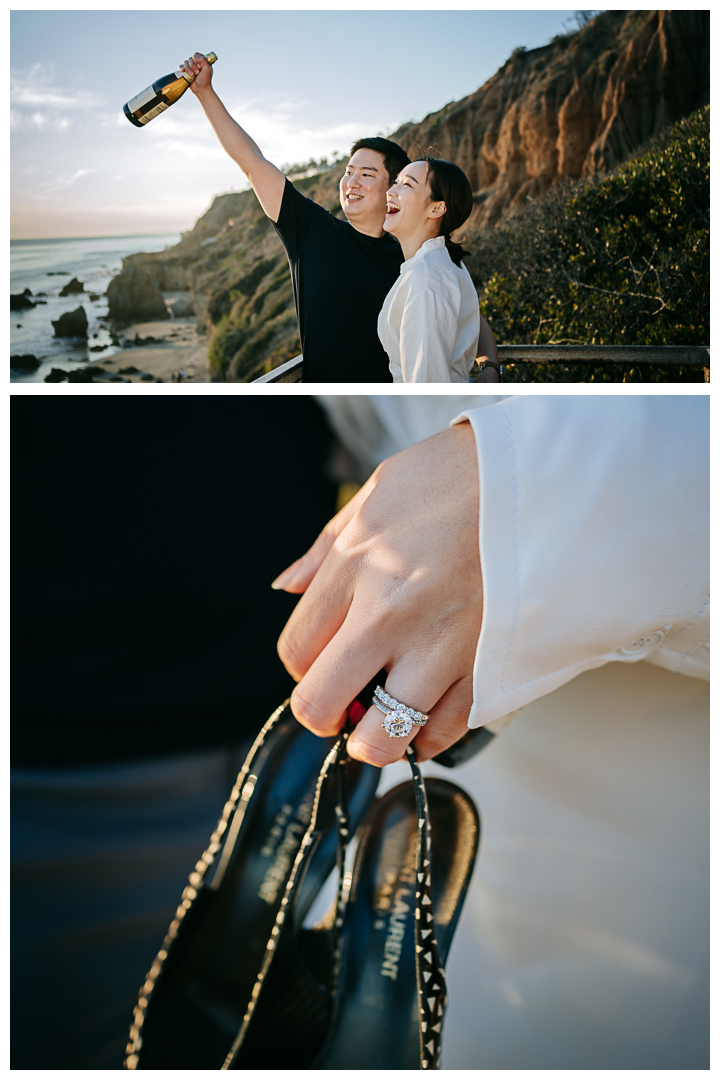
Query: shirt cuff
point(584, 507)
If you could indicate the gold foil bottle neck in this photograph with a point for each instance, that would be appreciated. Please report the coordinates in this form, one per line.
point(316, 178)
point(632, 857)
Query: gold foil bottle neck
point(210, 57)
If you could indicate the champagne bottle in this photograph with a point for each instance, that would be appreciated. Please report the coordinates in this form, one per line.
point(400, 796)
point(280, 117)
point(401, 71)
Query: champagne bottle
point(159, 96)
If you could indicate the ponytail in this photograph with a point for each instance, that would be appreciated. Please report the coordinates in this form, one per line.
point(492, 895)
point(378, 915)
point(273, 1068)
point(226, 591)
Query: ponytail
point(456, 251)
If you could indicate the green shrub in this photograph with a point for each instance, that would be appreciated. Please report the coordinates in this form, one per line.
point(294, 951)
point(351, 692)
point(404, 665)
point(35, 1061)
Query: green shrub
point(247, 285)
point(623, 260)
point(226, 340)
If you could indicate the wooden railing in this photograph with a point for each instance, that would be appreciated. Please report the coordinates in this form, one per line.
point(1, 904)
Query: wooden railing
point(662, 355)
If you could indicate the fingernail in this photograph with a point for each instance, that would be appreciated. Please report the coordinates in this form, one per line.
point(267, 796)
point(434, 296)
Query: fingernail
point(286, 577)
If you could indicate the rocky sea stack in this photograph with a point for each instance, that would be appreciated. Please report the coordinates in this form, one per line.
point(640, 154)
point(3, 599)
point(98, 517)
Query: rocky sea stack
point(26, 362)
point(21, 301)
point(71, 324)
point(72, 288)
point(134, 295)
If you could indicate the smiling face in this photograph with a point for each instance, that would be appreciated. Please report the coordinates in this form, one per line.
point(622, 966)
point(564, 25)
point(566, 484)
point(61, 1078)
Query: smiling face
point(362, 191)
point(411, 210)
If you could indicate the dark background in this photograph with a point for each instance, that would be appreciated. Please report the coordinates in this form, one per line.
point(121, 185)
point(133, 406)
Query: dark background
point(145, 534)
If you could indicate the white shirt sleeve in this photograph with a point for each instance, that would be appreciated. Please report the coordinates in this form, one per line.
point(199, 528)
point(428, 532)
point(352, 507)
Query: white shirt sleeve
point(428, 330)
point(594, 540)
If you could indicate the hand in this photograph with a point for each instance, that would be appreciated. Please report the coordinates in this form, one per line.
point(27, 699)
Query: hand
point(393, 582)
point(488, 374)
point(201, 68)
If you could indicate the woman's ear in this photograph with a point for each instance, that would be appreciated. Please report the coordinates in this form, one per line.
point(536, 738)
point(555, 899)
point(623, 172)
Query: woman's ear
point(438, 210)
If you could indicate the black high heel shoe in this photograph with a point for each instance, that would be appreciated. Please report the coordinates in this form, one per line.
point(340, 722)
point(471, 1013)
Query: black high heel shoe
point(405, 902)
point(196, 992)
point(369, 991)
point(293, 991)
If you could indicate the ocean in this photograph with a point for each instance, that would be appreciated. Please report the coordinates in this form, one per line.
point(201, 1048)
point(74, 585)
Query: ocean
point(44, 267)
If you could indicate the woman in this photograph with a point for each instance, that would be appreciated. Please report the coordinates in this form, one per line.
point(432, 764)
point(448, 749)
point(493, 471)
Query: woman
point(429, 323)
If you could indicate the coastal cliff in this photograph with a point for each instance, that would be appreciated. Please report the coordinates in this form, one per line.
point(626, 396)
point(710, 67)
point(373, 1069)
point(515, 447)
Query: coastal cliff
point(576, 108)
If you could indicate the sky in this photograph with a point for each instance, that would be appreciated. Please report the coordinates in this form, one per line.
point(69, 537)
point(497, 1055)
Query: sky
point(304, 84)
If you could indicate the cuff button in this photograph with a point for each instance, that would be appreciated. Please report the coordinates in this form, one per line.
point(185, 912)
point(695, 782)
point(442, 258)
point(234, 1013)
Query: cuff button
point(642, 643)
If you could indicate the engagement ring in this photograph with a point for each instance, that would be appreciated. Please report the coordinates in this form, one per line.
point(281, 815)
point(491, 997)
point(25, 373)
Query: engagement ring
point(399, 718)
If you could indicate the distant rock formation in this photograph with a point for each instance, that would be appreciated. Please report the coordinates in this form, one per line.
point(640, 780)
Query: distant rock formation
point(182, 308)
point(134, 294)
point(71, 324)
point(21, 301)
point(26, 362)
point(72, 288)
point(76, 375)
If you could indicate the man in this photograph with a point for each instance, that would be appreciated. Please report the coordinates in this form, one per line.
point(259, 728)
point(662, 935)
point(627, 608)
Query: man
point(341, 270)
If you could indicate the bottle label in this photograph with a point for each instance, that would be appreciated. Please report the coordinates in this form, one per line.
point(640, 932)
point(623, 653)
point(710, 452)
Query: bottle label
point(153, 112)
point(141, 99)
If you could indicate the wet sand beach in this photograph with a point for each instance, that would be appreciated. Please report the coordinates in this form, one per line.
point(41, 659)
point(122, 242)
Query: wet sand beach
point(176, 347)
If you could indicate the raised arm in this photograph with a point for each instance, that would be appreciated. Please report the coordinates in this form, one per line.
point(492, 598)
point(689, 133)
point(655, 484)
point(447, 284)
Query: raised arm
point(266, 180)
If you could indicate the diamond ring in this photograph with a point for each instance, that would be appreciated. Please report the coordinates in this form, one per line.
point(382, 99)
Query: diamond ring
point(399, 718)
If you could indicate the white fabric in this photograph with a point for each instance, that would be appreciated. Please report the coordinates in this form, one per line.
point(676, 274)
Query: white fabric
point(594, 539)
point(430, 321)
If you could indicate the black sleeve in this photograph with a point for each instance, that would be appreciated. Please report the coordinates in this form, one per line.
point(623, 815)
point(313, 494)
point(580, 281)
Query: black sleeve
point(297, 214)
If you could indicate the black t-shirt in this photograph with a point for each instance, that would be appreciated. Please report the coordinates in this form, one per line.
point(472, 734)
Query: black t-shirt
point(340, 280)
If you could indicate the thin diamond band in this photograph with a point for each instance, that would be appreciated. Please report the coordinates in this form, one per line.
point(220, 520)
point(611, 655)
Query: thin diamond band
point(399, 718)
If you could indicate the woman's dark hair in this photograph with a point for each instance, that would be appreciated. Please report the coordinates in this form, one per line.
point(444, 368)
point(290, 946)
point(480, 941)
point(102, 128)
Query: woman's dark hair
point(395, 157)
point(449, 184)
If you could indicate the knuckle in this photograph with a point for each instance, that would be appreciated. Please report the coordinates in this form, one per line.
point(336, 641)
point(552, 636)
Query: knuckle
point(290, 656)
point(364, 747)
point(372, 756)
point(347, 551)
point(382, 469)
point(315, 718)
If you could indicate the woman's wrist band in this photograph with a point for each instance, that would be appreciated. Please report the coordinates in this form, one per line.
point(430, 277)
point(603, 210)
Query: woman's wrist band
point(492, 364)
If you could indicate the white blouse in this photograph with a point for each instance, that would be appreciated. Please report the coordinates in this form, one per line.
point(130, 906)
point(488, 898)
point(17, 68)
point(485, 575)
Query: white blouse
point(430, 321)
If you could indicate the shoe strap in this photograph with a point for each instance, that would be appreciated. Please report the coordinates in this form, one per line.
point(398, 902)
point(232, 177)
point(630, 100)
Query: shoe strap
point(229, 823)
point(430, 976)
point(431, 983)
point(342, 818)
point(333, 762)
